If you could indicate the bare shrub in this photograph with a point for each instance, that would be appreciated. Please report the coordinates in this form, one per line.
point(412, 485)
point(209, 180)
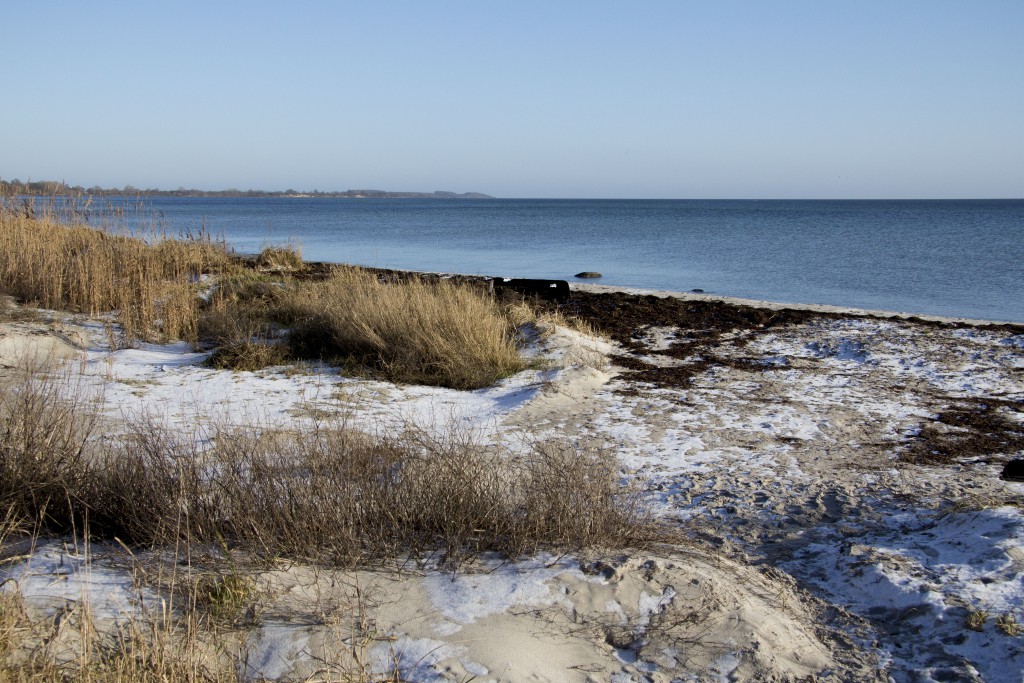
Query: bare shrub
point(248, 356)
point(417, 332)
point(336, 497)
point(572, 497)
point(45, 440)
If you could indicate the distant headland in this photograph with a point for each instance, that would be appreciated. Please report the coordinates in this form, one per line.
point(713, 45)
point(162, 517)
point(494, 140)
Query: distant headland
point(54, 187)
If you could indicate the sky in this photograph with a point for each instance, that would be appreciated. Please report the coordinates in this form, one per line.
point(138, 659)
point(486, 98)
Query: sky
point(657, 99)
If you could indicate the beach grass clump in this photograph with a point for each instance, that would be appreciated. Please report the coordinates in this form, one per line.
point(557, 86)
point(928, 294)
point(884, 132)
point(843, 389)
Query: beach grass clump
point(280, 258)
point(249, 356)
point(150, 284)
point(242, 320)
point(244, 304)
point(416, 332)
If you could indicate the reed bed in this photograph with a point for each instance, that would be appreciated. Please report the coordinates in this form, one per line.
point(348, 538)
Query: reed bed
point(151, 284)
point(411, 331)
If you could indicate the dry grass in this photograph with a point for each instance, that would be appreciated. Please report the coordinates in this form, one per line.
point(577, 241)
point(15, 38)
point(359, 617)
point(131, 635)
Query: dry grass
point(337, 498)
point(188, 634)
point(976, 619)
point(70, 643)
point(46, 431)
point(280, 258)
point(1007, 625)
point(408, 331)
point(329, 495)
point(415, 332)
point(84, 270)
point(412, 331)
point(249, 356)
point(240, 319)
point(69, 648)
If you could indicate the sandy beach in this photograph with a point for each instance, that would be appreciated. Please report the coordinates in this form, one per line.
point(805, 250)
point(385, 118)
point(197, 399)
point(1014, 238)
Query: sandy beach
point(834, 477)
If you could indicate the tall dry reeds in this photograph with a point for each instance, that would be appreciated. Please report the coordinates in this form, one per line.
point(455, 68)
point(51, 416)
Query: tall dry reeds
point(91, 271)
point(413, 331)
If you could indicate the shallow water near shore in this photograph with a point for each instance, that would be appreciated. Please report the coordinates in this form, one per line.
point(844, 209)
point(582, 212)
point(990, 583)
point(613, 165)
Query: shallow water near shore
point(960, 258)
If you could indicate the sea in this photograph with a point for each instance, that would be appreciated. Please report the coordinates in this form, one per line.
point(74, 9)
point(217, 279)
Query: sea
point(961, 258)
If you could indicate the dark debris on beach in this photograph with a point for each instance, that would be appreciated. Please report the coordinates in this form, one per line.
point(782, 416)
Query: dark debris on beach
point(977, 429)
point(708, 333)
point(701, 327)
point(704, 326)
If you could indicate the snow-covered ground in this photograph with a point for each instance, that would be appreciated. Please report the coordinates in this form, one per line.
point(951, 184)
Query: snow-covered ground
point(815, 551)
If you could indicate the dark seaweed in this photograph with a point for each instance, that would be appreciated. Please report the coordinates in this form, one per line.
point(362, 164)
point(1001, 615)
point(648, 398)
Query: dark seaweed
point(971, 429)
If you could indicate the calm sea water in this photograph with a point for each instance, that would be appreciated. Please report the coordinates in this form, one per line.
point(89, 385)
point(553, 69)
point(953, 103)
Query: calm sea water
point(957, 258)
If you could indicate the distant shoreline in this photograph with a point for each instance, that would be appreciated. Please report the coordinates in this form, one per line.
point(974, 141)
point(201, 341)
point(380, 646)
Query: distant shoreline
point(52, 188)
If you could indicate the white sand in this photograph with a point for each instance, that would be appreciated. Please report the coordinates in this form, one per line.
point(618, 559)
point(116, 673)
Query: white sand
point(815, 551)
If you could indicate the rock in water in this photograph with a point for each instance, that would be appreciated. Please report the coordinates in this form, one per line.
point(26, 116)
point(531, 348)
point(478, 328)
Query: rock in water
point(1014, 470)
point(588, 274)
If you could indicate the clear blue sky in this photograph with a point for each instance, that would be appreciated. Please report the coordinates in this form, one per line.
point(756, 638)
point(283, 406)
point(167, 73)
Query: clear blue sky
point(709, 99)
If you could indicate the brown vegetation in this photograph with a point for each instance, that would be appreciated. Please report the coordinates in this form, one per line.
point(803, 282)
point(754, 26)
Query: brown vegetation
point(329, 495)
point(409, 331)
point(151, 286)
point(414, 332)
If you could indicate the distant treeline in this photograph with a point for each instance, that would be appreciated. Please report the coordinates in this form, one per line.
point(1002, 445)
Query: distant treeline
point(49, 188)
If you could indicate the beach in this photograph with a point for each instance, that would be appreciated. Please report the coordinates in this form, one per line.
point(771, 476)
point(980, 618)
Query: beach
point(489, 343)
point(837, 498)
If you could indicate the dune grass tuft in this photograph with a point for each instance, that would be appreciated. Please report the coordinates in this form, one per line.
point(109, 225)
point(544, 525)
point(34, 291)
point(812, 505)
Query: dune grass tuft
point(413, 331)
point(280, 258)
